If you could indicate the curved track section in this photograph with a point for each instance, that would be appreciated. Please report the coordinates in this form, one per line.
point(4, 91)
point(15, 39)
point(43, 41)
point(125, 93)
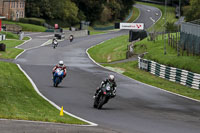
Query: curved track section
point(137, 108)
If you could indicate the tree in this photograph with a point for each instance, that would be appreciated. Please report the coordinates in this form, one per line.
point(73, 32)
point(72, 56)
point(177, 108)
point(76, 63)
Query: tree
point(64, 10)
point(193, 12)
point(92, 9)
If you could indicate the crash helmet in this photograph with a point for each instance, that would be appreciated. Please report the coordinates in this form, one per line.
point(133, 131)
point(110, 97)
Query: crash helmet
point(111, 78)
point(61, 63)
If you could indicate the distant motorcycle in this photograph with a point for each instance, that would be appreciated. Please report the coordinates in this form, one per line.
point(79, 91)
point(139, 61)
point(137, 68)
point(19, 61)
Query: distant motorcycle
point(103, 96)
point(54, 44)
point(58, 76)
point(71, 38)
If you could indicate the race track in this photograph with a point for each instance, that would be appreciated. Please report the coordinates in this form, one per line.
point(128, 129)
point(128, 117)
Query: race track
point(137, 108)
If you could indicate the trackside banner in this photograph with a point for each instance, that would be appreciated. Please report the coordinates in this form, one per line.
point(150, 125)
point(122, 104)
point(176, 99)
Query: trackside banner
point(132, 26)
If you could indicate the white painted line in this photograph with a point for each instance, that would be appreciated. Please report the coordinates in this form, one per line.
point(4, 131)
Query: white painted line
point(136, 80)
point(19, 54)
point(21, 48)
point(152, 19)
point(52, 103)
point(138, 15)
point(44, 44)
point(158, 18)
point(46, 36)
point(43, 122)
point(24, 42)
point(37, 90)
point(32, 33)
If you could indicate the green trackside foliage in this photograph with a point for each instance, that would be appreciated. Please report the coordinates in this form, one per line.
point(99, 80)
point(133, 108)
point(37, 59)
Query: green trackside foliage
point(20, 101)
point(95, 32)
point(27, 27)
point(10, 35)
point(111, 50)
point(134, 15)
point(156, 53)
point(131, 70)
point(26, 38)
point(11, 52)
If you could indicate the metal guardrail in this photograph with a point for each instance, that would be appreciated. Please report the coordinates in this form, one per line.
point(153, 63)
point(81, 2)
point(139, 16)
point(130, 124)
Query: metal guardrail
point(181, 76)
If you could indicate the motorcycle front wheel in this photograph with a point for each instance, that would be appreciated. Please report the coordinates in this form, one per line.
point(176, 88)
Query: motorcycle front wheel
point(55, 84)
point(101, 102)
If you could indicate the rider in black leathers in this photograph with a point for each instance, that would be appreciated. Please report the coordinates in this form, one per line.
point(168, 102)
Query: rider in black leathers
point(111, 80)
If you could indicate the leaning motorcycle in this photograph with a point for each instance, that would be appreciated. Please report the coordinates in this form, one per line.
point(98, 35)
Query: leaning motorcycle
point(103, 96)
point(58, 76)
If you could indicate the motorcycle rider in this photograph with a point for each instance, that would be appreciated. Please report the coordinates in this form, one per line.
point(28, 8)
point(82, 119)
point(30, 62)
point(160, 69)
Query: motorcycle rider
point(55, 41)
point(71, 38)
point(111, 80)
point(62, 66)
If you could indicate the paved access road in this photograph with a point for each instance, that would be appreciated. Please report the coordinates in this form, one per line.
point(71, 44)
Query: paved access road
point(138, 108)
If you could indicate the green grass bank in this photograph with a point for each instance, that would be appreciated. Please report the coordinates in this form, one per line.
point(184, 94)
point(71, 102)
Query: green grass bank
point(27, 27)
point(11, 52)
point(20, 101)
point(115, 49)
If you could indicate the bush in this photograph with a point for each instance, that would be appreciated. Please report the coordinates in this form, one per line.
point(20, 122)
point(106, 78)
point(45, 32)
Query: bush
point(171, 27)
point(60, 23)
point(10, 35)
point(36, 21)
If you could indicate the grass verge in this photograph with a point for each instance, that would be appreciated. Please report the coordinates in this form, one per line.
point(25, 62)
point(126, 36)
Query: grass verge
point(11, 52)
point(111, 50)
point(20, 101)
point(95, 32)
point(26, 38)
point(132, 71)
point(134, 16)
point(156, 53)
point(27, 27)
point(10, 35)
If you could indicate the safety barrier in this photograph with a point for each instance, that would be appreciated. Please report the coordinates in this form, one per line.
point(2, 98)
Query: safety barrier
point(2, 37)
point(181, 76)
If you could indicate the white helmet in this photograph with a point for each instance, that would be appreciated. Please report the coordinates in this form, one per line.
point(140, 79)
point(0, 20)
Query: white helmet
point(61, 63)
point(111, 77)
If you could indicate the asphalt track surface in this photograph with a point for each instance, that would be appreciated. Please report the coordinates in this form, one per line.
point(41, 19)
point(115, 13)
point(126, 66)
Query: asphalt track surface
point(137, 108)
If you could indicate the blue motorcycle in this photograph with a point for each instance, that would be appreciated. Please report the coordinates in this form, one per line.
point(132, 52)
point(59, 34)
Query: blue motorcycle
point(58, 76)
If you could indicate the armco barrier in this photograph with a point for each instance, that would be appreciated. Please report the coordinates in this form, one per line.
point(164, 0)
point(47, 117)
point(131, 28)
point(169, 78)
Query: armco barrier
point(170, 73)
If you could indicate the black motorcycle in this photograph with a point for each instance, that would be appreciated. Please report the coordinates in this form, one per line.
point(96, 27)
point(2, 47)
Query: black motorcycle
point(103, 96)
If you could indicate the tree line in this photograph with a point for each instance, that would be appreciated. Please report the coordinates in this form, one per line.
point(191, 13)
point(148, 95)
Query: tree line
point(73, 11)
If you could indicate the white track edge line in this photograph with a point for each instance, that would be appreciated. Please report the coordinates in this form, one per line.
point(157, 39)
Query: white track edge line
point(43, 122)
point(138, 15)
point(37, 90)
point(52, 103)
point(137, 80)
point(21, 48)
point(158, 18)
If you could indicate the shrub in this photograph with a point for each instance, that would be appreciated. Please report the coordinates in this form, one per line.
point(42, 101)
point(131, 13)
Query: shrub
point(36, 21)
